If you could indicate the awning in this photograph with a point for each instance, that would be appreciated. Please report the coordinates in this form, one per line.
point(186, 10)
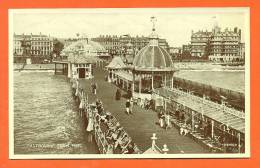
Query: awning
point(116, 63)
point(228, 116)
point(124, 75)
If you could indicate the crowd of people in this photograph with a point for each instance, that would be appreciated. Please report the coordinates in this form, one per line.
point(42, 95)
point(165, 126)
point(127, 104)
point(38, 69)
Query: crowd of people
point(118, 140)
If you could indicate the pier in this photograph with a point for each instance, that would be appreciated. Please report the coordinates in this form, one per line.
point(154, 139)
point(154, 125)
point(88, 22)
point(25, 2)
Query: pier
point(142, 124)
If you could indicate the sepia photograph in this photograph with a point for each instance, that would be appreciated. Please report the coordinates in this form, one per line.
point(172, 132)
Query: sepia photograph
point(129, 83)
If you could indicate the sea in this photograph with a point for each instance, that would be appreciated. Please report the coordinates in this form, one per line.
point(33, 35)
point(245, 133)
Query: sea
point(228, 79)
point(46, 119)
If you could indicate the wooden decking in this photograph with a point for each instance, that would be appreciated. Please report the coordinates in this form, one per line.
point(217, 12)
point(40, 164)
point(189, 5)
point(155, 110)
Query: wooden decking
point(142, 124)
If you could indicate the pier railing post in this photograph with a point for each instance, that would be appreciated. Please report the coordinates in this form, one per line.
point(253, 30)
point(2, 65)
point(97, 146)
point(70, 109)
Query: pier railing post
point(212, 129)
point(239, 143)
point(55, 71)
point(165, 149)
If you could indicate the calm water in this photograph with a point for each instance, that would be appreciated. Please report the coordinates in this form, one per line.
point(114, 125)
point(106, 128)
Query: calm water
point(233, 80)
point(45, 116)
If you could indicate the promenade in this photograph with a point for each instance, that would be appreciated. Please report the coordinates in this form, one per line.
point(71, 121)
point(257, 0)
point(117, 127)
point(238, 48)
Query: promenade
point(142, 124)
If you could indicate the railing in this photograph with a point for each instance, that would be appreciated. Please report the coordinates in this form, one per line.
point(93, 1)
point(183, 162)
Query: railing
point(103, 145)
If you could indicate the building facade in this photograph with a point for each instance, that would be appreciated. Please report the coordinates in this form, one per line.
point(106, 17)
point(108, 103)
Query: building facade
point(226, 46)
point(32, 47)
point(199, 43)
point(217, 45)
point(186, 48)
point(116, 45)
point(175, 52)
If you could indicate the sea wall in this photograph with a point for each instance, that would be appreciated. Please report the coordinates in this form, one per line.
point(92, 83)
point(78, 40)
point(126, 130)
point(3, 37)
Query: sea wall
point(34, 67)
point(206, 66)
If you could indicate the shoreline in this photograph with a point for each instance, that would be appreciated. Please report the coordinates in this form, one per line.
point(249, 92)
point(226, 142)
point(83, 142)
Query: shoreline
point(33, 70)
point(195, 66)
point(178, 70)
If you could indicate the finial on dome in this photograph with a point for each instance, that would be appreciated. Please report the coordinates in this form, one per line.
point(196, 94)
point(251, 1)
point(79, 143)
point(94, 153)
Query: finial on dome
point(153, 20)
point(153, 36)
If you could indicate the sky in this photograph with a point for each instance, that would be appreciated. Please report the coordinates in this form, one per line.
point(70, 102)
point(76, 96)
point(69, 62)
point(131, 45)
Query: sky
point(173, 24)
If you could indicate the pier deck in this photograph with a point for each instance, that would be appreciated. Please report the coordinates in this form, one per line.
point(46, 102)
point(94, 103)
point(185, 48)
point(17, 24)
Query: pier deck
point(142, 124)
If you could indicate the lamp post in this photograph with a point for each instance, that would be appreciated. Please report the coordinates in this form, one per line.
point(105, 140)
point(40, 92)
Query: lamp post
point(153, 138)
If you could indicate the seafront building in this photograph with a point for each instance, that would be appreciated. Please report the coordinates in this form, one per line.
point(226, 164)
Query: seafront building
point(199, 42)
point(32, 48)
point(186, 48)
point(217, 45)
point(175, 52)
point(116, 45)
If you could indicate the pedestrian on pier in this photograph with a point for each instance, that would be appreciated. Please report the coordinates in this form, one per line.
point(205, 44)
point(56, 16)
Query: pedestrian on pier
point(95, 88)
point(129, 93)
point(160, 116)
point(90, 127)
point(167, 121)
point(81, 106)
point(131, 105)
point(127, 105)
point(118, 94)
point(74, 87)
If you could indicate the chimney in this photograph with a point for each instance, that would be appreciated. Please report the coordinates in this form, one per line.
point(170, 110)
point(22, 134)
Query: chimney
point(235, 30)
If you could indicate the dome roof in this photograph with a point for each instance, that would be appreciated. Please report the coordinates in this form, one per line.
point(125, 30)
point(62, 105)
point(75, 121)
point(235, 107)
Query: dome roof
point(83, 51)
point(153, 58)
point(87, 46)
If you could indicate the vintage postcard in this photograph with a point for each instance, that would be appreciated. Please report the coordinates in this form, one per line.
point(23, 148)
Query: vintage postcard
point(129, 83)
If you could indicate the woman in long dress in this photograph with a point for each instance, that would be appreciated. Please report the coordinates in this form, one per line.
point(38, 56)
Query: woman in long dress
point(90, 127)
point(81, 107)
point(167, 121)
point(160, 116)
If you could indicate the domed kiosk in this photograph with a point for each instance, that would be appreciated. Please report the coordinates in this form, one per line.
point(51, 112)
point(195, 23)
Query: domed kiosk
point(152, 66)
point(79, 57)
